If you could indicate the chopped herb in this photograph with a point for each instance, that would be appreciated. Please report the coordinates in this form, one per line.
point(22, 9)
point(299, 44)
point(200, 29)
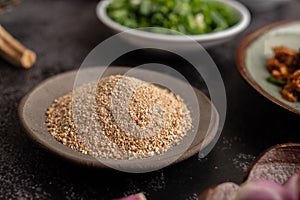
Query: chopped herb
point(185, 16)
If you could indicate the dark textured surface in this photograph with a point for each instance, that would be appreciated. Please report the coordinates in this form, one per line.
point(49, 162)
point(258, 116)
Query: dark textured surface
point(62, 32)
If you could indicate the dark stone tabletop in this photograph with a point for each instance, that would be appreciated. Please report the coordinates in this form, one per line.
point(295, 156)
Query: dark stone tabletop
point(62, 33)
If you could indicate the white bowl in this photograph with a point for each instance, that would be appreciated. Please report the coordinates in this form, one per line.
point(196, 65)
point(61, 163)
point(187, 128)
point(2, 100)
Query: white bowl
point(144, 39)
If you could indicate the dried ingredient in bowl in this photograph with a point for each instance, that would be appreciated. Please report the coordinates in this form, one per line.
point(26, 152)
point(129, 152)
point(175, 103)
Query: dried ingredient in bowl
point(119, 117)
point(188, 17)
point(285, 70)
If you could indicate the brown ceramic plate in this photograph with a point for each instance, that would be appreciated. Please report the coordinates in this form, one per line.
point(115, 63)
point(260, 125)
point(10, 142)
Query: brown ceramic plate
point(32, 115)
point(256, 48)
point(278, 163)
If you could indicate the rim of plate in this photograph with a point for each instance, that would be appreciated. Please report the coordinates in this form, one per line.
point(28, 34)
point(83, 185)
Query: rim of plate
point(243, 23)
point(241, 65)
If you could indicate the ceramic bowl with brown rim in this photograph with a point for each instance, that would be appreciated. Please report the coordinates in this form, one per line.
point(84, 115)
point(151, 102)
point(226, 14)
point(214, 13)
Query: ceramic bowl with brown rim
point(33, 107)
point(255, 49)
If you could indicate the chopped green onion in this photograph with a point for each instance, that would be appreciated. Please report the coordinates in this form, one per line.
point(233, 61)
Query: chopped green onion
point(185, 16)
